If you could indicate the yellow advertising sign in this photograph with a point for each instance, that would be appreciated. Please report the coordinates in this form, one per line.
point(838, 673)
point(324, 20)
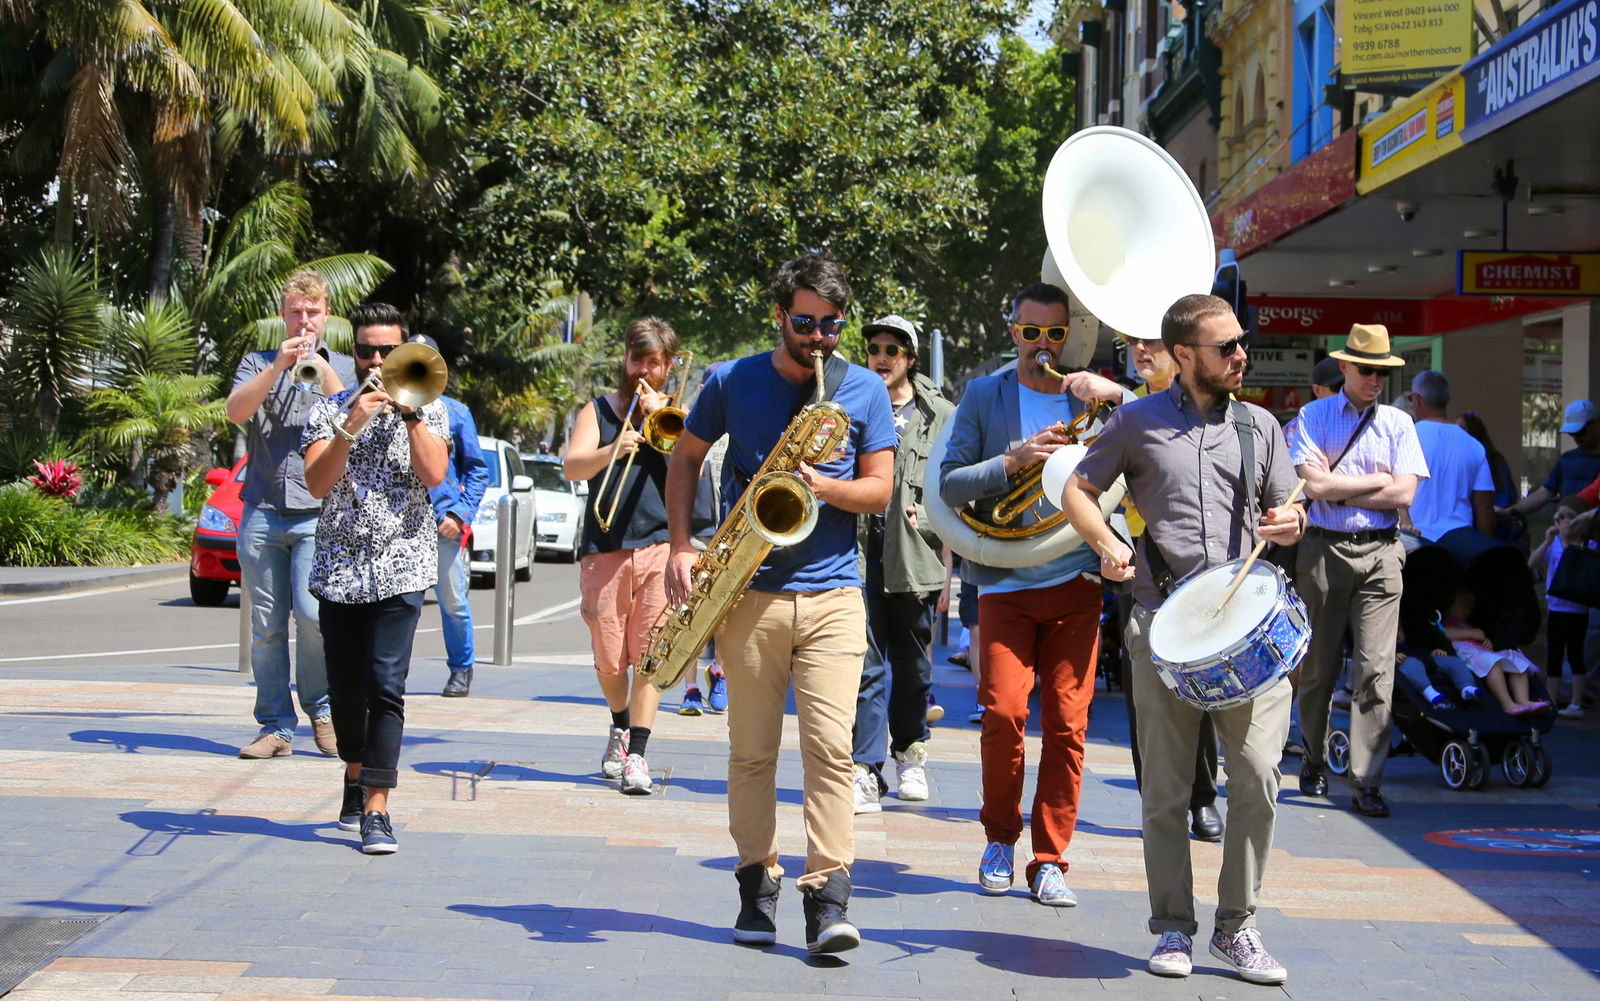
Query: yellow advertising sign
point(1527, 272)
point(1403, 41)
point(1416, 131)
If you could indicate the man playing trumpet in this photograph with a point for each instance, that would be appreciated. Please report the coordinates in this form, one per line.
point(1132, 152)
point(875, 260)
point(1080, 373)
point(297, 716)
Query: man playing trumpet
point(1041, 620)
point(625, 542)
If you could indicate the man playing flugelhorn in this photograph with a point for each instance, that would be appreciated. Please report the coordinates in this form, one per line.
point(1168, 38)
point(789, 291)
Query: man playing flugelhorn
point(625, 541)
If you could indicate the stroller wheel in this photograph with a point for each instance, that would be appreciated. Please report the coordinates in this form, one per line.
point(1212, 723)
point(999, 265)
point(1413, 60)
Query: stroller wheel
point(1518, 763)
point(1338, 756)
point(1458, 765)
point(1480, 755)
point(1540, 773)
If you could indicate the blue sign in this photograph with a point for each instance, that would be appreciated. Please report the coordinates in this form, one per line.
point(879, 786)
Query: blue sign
point(1552, 55)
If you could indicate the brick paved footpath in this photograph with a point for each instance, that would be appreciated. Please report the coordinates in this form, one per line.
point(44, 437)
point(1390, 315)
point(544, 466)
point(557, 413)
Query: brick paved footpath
point(521, 874)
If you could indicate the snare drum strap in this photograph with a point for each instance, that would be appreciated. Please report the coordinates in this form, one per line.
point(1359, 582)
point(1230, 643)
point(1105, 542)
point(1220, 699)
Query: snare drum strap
point(1160, 572)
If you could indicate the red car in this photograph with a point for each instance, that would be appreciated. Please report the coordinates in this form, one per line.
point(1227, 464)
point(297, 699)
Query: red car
point(213, 556)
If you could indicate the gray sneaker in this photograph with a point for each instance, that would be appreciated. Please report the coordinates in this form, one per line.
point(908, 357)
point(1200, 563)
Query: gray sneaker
point(1050, 887)
point(1245, 953)
point(995, 871)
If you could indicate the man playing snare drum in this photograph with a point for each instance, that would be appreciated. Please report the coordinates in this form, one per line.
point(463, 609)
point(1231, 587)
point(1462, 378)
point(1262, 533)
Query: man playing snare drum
point(1182, 452)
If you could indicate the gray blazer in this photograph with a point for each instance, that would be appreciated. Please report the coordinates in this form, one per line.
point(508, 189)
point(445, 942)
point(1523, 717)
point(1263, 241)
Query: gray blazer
point(986, 423)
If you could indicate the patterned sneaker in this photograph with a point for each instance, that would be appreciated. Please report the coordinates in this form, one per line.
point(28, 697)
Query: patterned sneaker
point(1050, 887)
point(911, 768)
point(868, 796)
point(1245, 953)
point(616, 754)
point(692, 704)
point(636, 776)
point(1173, 955)
point(995, 872)
point(377, 835)
point(355, 803)
point(718, 700)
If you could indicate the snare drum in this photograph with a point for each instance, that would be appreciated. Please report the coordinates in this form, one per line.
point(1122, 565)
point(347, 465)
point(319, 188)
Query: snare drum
point(1221, 660)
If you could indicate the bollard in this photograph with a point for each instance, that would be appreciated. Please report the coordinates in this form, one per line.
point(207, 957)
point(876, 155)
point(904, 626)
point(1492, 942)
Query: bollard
point(505, 578)
point(244, 629)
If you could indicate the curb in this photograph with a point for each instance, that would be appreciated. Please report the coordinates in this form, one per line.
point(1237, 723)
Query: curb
point(16, 582)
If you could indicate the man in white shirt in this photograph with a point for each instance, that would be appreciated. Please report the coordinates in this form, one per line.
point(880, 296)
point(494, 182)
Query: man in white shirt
point(1459, 490)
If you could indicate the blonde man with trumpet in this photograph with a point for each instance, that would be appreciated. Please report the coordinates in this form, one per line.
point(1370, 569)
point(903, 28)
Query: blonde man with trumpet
point(1183, 453)
point(364, 451)
point(1039, 621)
point(625, 541)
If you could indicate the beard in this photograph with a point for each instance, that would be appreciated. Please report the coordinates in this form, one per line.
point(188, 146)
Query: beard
point(800, 351)
point(1217, 383)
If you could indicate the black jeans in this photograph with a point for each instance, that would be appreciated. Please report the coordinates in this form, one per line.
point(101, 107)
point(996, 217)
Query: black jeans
point(369, 655)
point(899, 629)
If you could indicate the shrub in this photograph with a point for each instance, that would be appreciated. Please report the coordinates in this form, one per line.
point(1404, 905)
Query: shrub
point(42, 531)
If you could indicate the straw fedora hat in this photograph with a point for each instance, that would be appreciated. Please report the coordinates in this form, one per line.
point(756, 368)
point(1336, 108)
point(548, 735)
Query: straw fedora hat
point(1368, 344)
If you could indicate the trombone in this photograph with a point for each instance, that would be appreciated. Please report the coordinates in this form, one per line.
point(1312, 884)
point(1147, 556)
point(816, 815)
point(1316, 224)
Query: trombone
point(661, 429)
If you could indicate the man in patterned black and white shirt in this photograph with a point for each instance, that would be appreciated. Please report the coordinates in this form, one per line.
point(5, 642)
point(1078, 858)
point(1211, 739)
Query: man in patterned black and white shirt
point(377, 552)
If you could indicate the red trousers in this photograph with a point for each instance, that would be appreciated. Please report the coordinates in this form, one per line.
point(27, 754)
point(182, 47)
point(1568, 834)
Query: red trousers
point(1054, 633)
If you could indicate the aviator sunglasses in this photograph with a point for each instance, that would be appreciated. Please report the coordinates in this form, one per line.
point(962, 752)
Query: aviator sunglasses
point(802, 325)
point(368, 350)
point(892, 350)
point(1226, 348)
point(1031, 332)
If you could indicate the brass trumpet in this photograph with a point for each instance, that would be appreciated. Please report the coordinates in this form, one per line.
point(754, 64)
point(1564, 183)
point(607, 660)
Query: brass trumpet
point(414, 375)
point(660, 429)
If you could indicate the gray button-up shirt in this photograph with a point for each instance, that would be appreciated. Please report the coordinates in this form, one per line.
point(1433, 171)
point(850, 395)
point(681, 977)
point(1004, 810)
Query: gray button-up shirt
point(1183, 471)
point(275, 477)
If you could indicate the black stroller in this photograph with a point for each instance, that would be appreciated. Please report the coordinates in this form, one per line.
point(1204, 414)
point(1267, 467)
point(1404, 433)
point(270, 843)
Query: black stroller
point(1467, 740)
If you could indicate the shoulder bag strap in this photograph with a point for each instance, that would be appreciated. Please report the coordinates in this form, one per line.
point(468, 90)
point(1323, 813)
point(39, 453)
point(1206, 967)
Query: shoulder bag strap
point(1361, 426)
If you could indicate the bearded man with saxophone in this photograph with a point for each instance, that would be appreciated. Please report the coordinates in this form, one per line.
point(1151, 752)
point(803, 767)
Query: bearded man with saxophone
point(803, 621)
point(625, 542)
point(1041, 620)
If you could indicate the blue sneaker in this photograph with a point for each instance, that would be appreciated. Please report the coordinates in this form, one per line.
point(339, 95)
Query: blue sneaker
point(995, 872)
point(692, 704)
point(377, 835)
point(1050, 887)
point(719, 694)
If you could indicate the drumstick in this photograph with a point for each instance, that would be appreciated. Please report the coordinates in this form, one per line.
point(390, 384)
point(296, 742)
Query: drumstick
point(1105, 551)
point(1250, 561)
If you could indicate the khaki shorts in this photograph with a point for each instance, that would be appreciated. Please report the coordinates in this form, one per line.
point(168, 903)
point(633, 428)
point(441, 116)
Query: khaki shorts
point(623, 595)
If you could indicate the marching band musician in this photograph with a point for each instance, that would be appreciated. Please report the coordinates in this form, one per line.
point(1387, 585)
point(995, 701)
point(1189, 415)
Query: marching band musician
point(1183, 452)
point(802, 622)
point(1042, 620)
point(621, 575)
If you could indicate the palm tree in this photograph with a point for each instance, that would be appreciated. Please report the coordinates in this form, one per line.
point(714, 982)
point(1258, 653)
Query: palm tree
point(53, 319)
point(162, 414)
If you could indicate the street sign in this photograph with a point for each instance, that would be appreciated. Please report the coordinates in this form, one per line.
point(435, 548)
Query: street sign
point(1526, 272)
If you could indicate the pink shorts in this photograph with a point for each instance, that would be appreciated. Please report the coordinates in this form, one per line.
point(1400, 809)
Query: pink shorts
point(623, 595)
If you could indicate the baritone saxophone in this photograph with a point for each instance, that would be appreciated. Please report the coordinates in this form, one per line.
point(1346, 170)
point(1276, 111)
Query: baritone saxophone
point(778, 508)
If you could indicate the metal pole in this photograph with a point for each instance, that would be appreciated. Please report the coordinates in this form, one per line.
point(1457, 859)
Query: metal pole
point(244, 628)
point(505, 573)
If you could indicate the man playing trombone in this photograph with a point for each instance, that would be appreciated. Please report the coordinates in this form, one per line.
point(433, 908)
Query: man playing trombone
point(372, 461)
point(1039, 620)
point(625, 540)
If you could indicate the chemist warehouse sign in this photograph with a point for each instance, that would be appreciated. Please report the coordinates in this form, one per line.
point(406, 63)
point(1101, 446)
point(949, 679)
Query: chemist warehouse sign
point(1552, 55)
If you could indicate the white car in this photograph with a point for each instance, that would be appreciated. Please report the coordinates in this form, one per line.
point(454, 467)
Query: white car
point(506, 473)
point(562, 503)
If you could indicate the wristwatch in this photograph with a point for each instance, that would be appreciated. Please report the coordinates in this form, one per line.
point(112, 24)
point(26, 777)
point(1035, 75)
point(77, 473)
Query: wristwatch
point(410, 418)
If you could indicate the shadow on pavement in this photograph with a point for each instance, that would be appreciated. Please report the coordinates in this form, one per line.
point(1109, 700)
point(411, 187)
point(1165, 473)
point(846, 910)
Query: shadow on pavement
point(135, 742)
point(164, 828)
point(1024, 955)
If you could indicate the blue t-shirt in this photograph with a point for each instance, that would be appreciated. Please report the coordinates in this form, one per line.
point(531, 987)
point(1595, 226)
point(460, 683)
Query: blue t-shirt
point(750, 402)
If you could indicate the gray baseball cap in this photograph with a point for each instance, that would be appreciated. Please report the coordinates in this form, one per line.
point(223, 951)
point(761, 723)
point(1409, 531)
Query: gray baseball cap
point(892, 324)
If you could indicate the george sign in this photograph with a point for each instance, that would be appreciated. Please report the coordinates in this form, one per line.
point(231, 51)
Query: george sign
point(1280, 367)
point(1329, 317)
point(1403, 41)
point(1527, 272)
point(1552, 55)
point(1414, 132)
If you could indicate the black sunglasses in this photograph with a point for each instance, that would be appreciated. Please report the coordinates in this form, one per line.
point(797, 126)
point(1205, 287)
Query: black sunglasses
point(802, 325)
point(892, 350)
point(1369, 370)
point(1032, 332)
point(368, 350)
point(1226, 348)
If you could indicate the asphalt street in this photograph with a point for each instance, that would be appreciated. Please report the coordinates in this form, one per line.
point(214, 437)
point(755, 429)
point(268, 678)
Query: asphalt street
point(143, 860)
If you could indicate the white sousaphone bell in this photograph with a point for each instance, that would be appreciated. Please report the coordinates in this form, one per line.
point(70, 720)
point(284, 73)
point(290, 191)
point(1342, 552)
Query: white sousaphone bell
point(1128, 236)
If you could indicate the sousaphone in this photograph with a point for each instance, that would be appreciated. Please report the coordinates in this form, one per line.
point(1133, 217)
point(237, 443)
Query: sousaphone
point(1128, 236)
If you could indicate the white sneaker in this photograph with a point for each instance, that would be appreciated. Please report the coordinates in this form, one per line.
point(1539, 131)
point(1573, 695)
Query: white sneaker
point(868, 797)
point(636, 776)
point(616, 754)
point(1572, 711)
point(910, 766)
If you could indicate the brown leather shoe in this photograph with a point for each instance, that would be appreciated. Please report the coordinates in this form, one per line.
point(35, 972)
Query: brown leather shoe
point(322, 733)
point(268, 745)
